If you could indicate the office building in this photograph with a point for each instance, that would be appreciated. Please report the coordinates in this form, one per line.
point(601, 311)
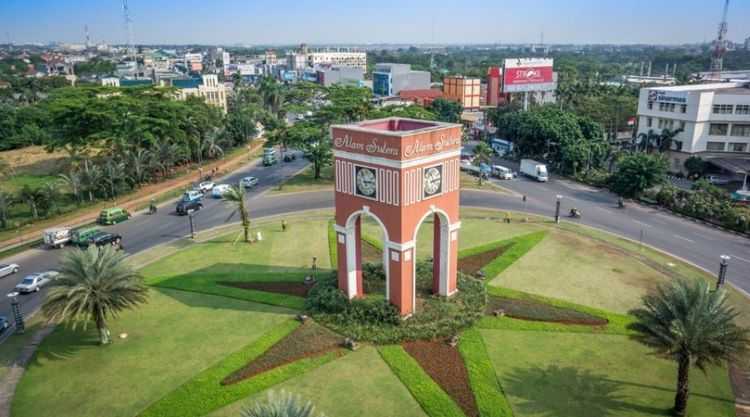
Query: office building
point(207, 87)
point(422, 98)
point(494, 76)
point(329, 75)
point(715, 119)
point(338, 58)
point(465, 91)
point(194, 62)
point(390, 79)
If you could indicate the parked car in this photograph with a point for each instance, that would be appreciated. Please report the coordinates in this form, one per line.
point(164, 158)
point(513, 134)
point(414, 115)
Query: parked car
point(249, 182)
point(113, 215)
point(192, 195)
point(8, 269)
point(186, 207)
point(219, 190)
point(718, 179)
point(4, 324)
point(56, 237)
point(502, 172)
point(289, 157)
point(205, 186)
point(35, 282)
point(102, 239)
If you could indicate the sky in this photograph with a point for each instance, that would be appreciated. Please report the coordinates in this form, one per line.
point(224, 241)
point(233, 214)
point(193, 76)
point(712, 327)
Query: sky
point(374, 21)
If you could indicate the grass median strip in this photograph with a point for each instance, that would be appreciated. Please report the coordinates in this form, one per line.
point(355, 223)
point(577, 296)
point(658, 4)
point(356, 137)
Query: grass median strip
point(204, 393)
point(433, 400)
point(516, 248)
point(488, 394)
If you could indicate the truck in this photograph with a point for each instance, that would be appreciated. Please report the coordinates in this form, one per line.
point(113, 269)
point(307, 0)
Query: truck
point(534, 169)
point(501, 147)
point(56, 237)
point(269, 156)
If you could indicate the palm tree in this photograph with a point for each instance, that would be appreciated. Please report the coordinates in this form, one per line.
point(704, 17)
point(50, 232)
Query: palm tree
point(482, 155)
point(647, 140)
point(667, 137)
point(91, 176)
point(692, 325)
point(236, 196)
point(281, 405)
point(168, 155)
point(34, 198)
point(94, 285)
point(112, 173)
point(211, 146)
point(52, 195)
point(140, 164)
point(6, 200)
point(73, 180)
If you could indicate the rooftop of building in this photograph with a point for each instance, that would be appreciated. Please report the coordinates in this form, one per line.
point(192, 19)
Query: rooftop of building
point(397, 126)
point(736, 91)
point(187, 83)
point(702, 87)
point(422, 93)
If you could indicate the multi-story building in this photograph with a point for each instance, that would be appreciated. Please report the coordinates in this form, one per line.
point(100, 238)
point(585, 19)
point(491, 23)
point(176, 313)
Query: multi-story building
point(207, 87)
point(463, 90)
point(194, 62)
point(494, 75)
point(329, 75)
point(389, 79)
point(338, 58)
point(714, 118)
point(422, 98)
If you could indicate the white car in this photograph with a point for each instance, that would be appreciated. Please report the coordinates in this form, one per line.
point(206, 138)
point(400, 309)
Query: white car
point(219, 190)
point(502, 172)
point(206, 186)
point(8, 269)
point(35, 282)
point(249, 182)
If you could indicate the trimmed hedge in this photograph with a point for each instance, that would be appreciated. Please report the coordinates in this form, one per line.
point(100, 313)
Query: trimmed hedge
point(617, 323)
point(488, 394)
point(204, 393)
point(433, 400)
point(332, 245)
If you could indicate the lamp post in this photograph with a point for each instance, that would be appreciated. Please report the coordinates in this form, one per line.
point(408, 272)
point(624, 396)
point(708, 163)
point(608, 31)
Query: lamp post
point(192, 227)
point(16, 309)
point(722, 271)
point(557, 208)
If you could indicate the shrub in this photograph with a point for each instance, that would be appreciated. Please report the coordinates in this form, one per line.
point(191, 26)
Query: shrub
point(325, 297)
point(373, 312)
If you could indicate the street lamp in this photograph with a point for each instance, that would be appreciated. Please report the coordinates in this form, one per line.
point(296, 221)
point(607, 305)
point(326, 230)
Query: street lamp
point(557, 208)
point(16, 309)
point(722, 271)
point(192, 227)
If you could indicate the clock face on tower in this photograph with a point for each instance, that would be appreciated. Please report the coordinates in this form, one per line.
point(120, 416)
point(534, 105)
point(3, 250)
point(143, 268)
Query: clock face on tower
point(367, 182)
point(433, 181)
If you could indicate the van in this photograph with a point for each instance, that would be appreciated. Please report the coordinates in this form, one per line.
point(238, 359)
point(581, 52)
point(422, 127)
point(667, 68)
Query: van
point(269, 156)
point(56, 237)
point(80, 237)
point(502, 172)
point(113, 215)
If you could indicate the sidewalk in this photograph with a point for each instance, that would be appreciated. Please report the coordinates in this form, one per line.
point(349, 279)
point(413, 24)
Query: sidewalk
point(139, 198)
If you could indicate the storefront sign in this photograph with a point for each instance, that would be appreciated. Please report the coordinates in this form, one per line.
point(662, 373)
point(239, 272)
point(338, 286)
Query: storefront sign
point(375, 146)
point(661, 96)
point(421, 148)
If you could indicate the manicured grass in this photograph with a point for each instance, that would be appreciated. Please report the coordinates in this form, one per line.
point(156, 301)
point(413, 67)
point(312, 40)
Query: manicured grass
point(575, 268)
point(16, 182)
point(280, 256)
point(472, 183)
point(305, 181)
point(12, 346)
point(434, 401)
point(489, 395)
point(170, 339)
point(333, 253)
point(359, 384)
point(574, 375)
point(517, 248)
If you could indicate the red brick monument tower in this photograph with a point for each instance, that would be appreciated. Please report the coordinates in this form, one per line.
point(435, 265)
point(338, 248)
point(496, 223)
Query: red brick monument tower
point(400, 172)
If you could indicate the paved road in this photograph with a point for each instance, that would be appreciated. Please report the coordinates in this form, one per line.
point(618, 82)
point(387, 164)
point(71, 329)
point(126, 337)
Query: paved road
point(696, 243)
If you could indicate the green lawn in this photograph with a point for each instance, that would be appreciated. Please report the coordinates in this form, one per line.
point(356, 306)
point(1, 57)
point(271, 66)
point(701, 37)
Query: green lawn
point(171, 339)
point(16, 182)
point(347, 390)
point(547, 374)
point(12, 346)
point(305, 181)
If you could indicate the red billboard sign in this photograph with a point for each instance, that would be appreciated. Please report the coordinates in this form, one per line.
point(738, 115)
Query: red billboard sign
point(528, 75)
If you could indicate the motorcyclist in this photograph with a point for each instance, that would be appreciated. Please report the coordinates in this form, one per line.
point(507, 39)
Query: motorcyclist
point(574, 212)
point(152, 206)
point(620, 202)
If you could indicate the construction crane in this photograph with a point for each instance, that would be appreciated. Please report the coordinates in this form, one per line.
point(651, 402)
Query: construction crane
point(720, 45)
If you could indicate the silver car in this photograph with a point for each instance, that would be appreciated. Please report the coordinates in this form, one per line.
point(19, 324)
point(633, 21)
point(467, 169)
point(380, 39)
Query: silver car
point(35, 282)
point(8, 269)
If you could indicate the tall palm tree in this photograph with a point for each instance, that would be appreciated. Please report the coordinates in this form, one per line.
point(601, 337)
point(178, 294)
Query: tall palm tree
point(73, 180)
point(482, 155)
point(94, 285)
point(236, 196)
point(113, 172)
point(140, 163)
point(692, 325)
point(666, 137)
point(647, 140)
point(212, 147)
point(281, 405)
point(34, 198)
point(91, 176)
point(52, 195)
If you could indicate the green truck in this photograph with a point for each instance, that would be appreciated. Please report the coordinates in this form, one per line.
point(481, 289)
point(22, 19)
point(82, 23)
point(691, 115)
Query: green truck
point(81, 237)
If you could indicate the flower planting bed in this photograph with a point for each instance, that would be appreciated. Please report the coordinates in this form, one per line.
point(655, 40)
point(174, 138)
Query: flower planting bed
point(308, 340)
point(472, 264)
point(445, 366)
point(298, 289)
point(538, 311)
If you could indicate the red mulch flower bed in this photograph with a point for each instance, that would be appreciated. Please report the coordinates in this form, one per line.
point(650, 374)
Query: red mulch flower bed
point(446, 367)
point(537, 311)
point(288, 288)
point(308, 340)
point(470, 265)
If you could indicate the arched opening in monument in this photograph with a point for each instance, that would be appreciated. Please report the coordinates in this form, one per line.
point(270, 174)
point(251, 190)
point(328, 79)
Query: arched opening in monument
point(369, 263)
point(432, 254)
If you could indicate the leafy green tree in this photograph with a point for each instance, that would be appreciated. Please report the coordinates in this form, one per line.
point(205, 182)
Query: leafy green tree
point(113, 173)
point(94, 285)
point(52, 197)
point(346, 104)
point(34, 198)
point(235, 196)
point(447, 110)
point(140, 162)
point(411, 112)
point(281, 405)
point(319, 153)
point(637, 173)
point(692, 325)
point(6, 201)
point(73, 180)
point(91, 176)
point(695, 166)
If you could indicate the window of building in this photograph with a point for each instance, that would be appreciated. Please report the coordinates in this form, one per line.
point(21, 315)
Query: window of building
point(650, 105)
point(718, 129)
point(742, 109)
point(683, 108)
point(666, 124)
point(682, 125)
point(741, 130)
point(715, 146)
point(737, 147)
point(723, 108)
point(649, 122)
point(667, 107)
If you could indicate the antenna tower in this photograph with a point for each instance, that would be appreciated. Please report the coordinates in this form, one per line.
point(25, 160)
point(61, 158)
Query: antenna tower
point(128, 27)
point(720, 45)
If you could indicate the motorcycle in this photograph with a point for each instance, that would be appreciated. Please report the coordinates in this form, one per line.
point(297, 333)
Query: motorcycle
point(574, 213)
point(152, 208)
point(620, 203)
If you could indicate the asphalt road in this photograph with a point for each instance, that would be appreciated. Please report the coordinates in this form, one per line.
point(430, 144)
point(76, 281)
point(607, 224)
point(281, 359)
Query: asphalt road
point(693, 242)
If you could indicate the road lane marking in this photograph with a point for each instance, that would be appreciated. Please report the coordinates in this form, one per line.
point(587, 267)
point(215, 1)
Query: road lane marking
point(684, 238)
point(641, 223)
point(740, 258)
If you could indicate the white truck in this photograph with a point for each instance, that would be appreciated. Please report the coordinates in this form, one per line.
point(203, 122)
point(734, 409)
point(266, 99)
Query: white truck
point(56, 237)
point(534, 169)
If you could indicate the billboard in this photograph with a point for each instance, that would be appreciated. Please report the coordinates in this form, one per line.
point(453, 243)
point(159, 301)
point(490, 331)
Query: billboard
point(528, 74)
point(662, 96)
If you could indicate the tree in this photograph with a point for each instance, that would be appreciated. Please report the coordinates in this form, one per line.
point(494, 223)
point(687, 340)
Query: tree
point(666, 137)
point(447, 110)
point(235, 195)
point(91, 176)
point(647, 141)
point(33, 197)
point(94, 285)
point(212, 147)
point(692, 325)
point(482, 155)
point(72, 180)
point(281, 405)
point(6, 200)
point(51, 198)
point(695, 166)
point(637, 173)
point(139, 164)
point(318, 151)
point(113, 172)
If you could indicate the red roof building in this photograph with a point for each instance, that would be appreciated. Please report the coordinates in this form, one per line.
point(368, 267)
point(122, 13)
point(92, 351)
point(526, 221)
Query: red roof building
point(423, 97)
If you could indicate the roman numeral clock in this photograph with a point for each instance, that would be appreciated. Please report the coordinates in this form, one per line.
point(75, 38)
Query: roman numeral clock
point(398, 172)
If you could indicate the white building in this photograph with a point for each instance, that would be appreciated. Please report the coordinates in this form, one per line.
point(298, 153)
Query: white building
point(208, 87)
point(338, 58)
point(715, 119)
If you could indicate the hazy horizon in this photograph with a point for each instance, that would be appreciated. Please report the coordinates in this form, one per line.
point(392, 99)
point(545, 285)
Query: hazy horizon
point(337, 22)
